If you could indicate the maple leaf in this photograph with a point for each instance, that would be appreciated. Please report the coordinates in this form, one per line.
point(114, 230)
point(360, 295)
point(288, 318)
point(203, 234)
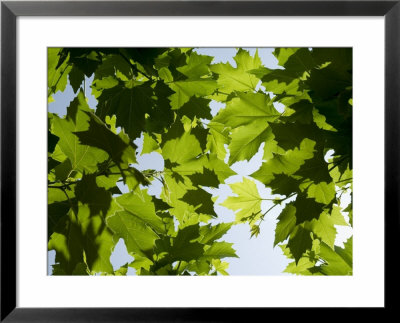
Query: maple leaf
point(247, 202)
point(238, 79)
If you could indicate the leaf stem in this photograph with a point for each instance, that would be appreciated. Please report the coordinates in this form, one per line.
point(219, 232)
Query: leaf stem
point(345, 180)
point(220, 92)
point(280, 201)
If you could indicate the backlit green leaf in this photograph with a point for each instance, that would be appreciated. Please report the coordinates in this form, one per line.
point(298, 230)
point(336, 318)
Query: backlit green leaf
point(83, 155)
point(238, 79)
point(184, 90)
point(247, 202)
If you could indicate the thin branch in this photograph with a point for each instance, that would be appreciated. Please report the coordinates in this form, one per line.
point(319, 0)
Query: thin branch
point(65, 185)
point(220, 92)
point(345, 180)
point(337, 163)
point(133, 67)
point(275, 204)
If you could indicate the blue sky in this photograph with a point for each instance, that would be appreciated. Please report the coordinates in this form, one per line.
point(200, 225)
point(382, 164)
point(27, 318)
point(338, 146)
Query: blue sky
point(257, 255)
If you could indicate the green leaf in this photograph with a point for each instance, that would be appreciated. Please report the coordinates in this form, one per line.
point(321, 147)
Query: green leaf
point(80, 233)
point(283, 54)
point(82, 157)
point(197, 65)
point(222, 170)
point(149, 144)
point(218, 137)
point(349, 209)
point(86, 59)
point(100, 136)
point(219, 250)
point(76, 78)
point(141, 263)
point(108, 182)
point(67, 242)
point(161, 116)
point(284, 185)
point(300, 268)
point(249, 115)
point(114, 65)
point(304, 113)
point(337, 216)
point(99, 85)
point(307, 209)
point(97, 198)
point(255, 230)
point(246, 140)
point(144, 58)
point(238, 79)
point(55, 212)
point(201, 200)
point(300, 61)
point(138, 237)
point(183, 246)
point(287, 163)
point(245, 109)
point(299, 242)
point(122, 271)
point(207, 178)
point(57, 195)
point(315, 169)
point(286, 224)
point(57, 72)
point(176, 149)
point(220, 266)
point(195, 108)
point(327, 82)
point(81, 269)
point(51, 141)
point(174, 189)
point(63, 170)
point(96, 239)
point(142, 207)
point(130, 105)
point(279, 81)
point(346, 253)
point(200, 267)
point(184, 90)
point(288, 81)
point(210, 233)
point(247, 202)
point(341, 178)
point(290, 135)
point(339, 261)
point(200, 133)
point(322, 192)
point(320, 121)
point(165, 74)
point(324, 228)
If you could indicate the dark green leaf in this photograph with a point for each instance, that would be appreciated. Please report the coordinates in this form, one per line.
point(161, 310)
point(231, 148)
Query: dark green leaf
point(299, 242)
point(307, 209)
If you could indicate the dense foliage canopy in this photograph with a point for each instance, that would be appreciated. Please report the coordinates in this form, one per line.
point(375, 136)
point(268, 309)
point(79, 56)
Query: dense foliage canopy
point(163, 95)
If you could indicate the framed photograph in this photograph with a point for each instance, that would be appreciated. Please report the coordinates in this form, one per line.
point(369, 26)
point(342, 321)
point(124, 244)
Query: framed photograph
point(193, 160)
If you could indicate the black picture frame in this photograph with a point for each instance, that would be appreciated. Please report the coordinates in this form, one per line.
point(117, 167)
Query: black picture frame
point(10, 10)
